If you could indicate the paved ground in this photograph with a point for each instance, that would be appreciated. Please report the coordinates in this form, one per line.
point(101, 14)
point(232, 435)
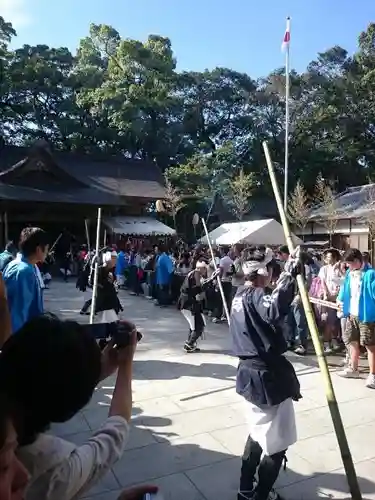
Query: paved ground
point(188, 427)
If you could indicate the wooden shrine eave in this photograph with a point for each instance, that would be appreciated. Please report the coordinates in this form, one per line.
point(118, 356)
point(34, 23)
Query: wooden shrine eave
point(40, 175)
point(84, 196)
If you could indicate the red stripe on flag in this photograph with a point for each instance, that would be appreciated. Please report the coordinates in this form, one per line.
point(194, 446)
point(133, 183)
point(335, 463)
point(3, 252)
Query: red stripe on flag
point(287, 37)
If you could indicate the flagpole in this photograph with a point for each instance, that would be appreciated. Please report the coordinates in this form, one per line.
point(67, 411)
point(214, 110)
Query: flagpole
point(287, 95)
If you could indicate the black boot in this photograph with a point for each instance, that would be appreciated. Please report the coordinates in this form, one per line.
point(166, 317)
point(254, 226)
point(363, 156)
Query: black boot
point(191, 343)
point(250, 462)
point(268, 472)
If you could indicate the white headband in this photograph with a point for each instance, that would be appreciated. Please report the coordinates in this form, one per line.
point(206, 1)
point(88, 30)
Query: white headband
point(251, 266)
point(200, 265)
point(107, 256)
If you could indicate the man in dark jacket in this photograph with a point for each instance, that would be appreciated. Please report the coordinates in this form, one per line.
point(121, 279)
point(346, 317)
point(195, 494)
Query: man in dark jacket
point(191, 303)
point(265, 378)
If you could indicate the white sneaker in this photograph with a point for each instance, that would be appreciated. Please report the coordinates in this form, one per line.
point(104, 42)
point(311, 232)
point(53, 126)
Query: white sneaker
point(327, 349)
point(349, 373)
point(300, 350)
point(370, 382)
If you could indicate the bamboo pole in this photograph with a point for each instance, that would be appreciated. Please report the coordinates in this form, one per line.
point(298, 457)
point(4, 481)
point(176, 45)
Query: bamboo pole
point(55, 243)
point(96, 269)
point(225, 305)
point(329, 391)
point(87, 234)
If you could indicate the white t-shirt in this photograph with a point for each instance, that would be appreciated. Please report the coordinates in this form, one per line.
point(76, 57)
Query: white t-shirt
point(332, 278)
point(60, 470)
point(355, 291)
point(225, 264)
point(238, 278)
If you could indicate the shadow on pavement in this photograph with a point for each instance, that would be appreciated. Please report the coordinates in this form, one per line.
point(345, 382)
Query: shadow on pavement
point(200, 467)
point(168, 370)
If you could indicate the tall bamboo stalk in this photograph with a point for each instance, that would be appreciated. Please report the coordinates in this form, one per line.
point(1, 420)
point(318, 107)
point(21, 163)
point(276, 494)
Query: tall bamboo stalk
point(329, 391)
point(96, 269)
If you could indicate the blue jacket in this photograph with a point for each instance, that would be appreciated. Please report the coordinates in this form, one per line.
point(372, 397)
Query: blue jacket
point(366, 307)
point(121, 263)
point(23, 290)
point(164, 269)
point(5, 258)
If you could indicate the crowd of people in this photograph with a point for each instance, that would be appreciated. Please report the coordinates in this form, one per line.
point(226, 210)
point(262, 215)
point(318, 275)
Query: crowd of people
point(159, 274)
point(49, 368)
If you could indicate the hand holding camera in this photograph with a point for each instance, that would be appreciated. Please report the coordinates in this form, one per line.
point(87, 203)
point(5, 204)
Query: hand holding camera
point(144, 492)
point(120, 349)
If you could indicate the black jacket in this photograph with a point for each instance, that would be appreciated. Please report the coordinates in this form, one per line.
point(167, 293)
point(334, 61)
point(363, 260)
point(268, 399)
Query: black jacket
point(106, 294)
point(189, 291)
point(264, 377)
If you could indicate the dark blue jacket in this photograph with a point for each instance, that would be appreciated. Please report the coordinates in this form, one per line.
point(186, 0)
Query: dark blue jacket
point(264, 376)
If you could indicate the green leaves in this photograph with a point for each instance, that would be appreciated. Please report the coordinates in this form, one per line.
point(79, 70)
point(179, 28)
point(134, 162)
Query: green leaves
point(125, 96)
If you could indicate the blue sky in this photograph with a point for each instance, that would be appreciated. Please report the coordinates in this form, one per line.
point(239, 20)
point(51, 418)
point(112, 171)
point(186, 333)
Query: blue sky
point(244, 35)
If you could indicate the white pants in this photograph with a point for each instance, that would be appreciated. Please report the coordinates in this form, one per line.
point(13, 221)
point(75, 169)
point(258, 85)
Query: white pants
point(109, 316)
point(190, 318)
point(274, 427)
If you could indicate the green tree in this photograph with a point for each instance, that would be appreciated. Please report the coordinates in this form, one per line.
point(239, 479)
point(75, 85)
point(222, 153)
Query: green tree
point(299, 206)
point(241, 187)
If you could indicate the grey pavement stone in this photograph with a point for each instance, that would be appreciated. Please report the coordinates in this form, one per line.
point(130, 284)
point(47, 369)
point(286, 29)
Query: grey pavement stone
point(332, 485)
point(218, 480)
point(188, 424)
point(108, 495)
point(162, 459)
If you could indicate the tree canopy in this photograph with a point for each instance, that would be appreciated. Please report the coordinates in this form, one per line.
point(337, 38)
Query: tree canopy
point(118, 95)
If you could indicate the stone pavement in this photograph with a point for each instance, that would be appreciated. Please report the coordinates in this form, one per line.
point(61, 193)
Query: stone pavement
point(188, 427)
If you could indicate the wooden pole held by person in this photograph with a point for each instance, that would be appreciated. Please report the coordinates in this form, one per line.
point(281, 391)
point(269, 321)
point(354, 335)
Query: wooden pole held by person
point(87, 235)
point(96, 269)
point(225, 305)
point(330, 393)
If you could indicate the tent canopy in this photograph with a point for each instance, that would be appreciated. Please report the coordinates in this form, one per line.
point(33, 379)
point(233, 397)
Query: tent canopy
point(142, 226)
point(254, 232)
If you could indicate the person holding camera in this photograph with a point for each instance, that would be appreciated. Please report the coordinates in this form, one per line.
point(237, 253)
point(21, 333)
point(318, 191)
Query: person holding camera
point(48, 373)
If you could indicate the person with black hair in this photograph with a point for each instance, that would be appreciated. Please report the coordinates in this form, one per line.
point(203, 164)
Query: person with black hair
point(108, 305)
point(25, 297)
point(226, 267)
point(357, 300)
point(163, 274)
point(366, 258)
point(8, 255)
point(48, 372)
point(330, 281)
point(5, 321)
point(265, 378)
point(295, 323)
point(191, 303)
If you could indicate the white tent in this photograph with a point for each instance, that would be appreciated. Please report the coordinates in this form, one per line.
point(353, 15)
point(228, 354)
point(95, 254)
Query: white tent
point(142, 226)
point(254, 232)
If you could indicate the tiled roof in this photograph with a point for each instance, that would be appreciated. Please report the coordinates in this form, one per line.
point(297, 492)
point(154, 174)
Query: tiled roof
point(103, 179)
point(354, 203)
